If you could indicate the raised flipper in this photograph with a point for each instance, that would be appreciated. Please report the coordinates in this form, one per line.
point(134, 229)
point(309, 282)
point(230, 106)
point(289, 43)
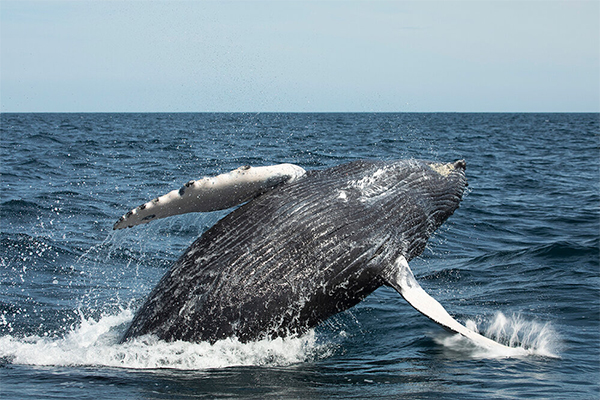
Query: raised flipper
point(212, 193)
point(403, 280)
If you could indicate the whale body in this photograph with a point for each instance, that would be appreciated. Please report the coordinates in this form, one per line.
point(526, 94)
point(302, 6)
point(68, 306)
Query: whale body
point(304, 247)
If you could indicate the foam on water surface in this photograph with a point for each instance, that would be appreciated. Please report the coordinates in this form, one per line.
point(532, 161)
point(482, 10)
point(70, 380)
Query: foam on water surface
point(96, 343)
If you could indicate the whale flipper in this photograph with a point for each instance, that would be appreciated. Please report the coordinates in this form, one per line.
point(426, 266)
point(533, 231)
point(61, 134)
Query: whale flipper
point(212, 193)
point(403, 280)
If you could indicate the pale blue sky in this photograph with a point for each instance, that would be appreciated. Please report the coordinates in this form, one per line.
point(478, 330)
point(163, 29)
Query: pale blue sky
point(119, 56)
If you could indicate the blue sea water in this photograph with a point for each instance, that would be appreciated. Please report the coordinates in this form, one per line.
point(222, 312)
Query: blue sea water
point(519, 260)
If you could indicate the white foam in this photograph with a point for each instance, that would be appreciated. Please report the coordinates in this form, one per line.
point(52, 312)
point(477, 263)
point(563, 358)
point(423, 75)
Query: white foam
point(95, 343)
point(531, 337)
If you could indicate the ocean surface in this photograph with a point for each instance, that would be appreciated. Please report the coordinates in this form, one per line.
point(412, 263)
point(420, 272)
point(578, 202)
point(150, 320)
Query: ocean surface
point(518, 261)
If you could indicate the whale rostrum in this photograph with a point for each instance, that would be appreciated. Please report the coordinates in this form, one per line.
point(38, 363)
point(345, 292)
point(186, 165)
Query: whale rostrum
point(302, 247)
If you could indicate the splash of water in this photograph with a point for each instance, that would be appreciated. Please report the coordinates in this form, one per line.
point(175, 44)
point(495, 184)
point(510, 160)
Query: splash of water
point(96, 343)
point(533, 337)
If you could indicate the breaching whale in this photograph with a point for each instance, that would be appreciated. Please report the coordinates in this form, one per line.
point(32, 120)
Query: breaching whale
point(304, 246)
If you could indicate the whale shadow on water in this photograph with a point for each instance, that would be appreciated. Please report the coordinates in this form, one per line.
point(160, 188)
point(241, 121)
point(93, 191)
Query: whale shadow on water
point(304, 246)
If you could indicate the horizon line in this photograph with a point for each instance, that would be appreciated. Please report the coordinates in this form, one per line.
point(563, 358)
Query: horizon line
point(300, 112)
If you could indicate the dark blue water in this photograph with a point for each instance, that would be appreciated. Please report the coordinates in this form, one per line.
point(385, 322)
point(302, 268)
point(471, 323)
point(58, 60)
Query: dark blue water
point(519, 260)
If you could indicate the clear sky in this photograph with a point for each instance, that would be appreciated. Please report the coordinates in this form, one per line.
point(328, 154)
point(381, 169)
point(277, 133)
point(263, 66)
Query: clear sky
point(257, 56)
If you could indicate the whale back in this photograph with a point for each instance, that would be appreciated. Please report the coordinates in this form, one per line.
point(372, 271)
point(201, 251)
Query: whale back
point(302, 252)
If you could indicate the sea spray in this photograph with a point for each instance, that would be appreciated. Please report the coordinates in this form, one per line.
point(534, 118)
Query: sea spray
point(536, 338)
point(96, 343)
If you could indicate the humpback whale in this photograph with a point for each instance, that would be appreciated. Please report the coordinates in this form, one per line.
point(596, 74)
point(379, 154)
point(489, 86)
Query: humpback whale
point(302, 247)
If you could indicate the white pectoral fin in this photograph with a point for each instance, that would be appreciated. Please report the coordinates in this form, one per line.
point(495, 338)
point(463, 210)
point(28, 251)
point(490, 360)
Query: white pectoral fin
point(403, 280)
point(212, 193)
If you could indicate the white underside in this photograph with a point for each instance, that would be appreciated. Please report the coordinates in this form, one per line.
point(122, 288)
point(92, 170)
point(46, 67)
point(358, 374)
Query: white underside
point(412, 292)
point(212, 193)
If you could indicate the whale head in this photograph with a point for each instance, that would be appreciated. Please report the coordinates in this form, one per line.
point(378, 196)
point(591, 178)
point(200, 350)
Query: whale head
point(412, 197)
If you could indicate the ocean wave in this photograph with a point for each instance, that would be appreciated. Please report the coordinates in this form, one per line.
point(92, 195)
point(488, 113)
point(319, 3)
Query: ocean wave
point(566, 249)
point(559, 250)
point(21, 208)
point(45, 138)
